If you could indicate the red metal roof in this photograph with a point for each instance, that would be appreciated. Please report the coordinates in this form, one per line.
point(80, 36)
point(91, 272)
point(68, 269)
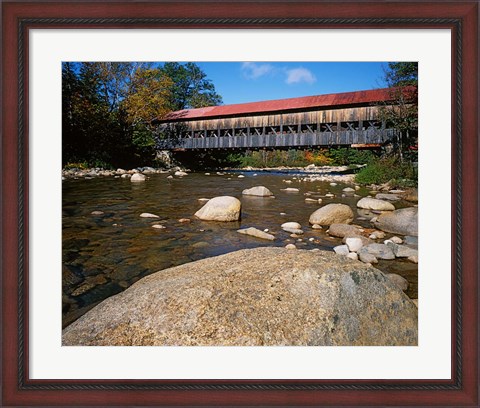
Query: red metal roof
point(318, 101)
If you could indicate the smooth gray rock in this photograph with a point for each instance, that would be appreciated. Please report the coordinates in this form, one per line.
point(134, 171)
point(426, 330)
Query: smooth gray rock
point(403, 221)
point(343, 230)
point(291, 224)
point(366, 257)
point(380, 251)
point(255, 297)
point(354, 244)
point(223, 208)
point(387, 196)
point(332, 214)
point(254, 232)
point(137, 177)
point(368, 203)
point(259, 191)
point(341, 250)
point(402, 251)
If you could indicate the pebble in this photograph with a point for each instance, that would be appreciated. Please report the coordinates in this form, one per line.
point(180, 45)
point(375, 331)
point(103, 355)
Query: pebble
point(180, 173)
point(311, 200)
point(319, 201)
point(316, 226)
point(330, 195)
point(241, 176)
point(290, 190)
point(311, 239)
point(148, 215)
point(169, 177)
point(290, 246)
point(158, 226)
point(137, 177)
point(396, 240)
point(184, 220)
point(354, 244)
point(207, 174)
point(97, 212)
point(291, 224)
point(282, 213)
point(333, 184)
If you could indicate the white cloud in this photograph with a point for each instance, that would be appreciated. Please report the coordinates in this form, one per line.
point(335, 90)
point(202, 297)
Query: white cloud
point(252, 70)
point(298, 75)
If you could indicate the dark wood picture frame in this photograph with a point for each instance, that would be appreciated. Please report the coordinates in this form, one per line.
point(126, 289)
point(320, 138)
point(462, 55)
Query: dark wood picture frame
point(460, 17)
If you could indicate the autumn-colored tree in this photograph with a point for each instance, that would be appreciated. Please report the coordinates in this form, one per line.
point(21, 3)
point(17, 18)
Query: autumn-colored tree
point(147, 99)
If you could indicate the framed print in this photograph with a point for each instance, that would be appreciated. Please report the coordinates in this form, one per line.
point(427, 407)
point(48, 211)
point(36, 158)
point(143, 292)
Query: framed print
point(78, 243)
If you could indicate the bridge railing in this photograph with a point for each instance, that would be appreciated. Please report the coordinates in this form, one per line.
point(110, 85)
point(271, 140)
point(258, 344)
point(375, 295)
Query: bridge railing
point(307, 139)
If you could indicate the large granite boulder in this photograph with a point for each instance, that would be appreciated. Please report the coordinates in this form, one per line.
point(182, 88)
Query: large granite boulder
point(403, 221)
point(224, 208)
point(262, 296)
point(332, 214)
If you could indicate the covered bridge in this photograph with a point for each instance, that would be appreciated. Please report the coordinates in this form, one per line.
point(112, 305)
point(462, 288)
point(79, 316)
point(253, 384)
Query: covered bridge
point(342, 119)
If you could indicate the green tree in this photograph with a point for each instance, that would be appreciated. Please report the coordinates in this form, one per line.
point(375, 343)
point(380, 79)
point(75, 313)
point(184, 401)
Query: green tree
point(191, 87)
point(402, 79)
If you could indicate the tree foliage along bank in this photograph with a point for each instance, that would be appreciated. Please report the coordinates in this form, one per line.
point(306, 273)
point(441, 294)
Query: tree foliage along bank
point(107, 108)
point(398, 167)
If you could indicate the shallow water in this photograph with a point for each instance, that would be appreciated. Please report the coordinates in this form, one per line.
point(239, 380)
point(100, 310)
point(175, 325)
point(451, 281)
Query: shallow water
point(104, 254)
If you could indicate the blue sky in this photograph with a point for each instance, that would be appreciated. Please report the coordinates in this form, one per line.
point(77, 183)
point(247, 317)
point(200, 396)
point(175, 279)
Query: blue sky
point(239, 82)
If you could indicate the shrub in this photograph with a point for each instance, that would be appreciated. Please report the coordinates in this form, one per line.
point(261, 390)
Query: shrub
point(388, 170)
point(345, 156)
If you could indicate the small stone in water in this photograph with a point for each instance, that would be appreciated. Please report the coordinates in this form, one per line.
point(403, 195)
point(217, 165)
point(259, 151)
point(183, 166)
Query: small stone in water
point(290, 246)
point(333, 184)
point(241, 176)
point(148, 215)
point(265, 230)
point(184, 220)
point(169, 177)
point(311, 239)
point(316, 226)
point(283, 213)
point(97, 212)
point(158, 226)
point(207, 174)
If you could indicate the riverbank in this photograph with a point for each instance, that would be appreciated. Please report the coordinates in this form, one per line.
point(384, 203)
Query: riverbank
point(343, 174)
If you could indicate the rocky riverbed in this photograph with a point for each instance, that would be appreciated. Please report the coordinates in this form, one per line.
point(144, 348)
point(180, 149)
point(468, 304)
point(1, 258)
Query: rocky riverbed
point(121, 226)
point(255, 297)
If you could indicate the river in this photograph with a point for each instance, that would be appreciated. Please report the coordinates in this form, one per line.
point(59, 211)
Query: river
point(104, 254)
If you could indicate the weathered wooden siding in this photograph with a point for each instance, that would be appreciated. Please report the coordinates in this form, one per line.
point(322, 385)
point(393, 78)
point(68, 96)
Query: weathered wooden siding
point(307, 117)
point(372, 136)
